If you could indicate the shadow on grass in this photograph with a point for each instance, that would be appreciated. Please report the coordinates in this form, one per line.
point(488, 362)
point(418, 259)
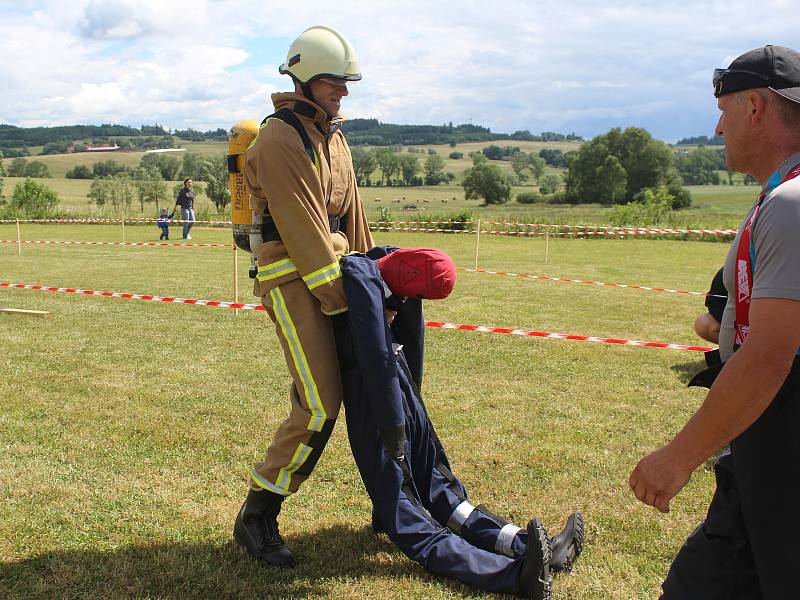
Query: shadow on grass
point(329, 561)
point(685, 371)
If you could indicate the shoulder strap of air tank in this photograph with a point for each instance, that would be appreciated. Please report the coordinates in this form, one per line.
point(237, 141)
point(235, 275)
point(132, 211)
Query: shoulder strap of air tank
point(288, 117)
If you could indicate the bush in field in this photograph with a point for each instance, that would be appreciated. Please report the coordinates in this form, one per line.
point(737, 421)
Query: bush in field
point(79, 172)
point(33, 199)
point(530, 198)
point(648, 209)
point(550, 184)
point(456, 155)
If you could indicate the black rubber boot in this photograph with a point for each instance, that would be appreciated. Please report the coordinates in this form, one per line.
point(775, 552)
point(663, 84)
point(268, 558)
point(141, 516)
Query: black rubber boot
point(568, 544)
point(256, 529)
point(535, 580)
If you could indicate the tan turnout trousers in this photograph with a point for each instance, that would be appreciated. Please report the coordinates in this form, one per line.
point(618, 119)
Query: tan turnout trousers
point(306, 336)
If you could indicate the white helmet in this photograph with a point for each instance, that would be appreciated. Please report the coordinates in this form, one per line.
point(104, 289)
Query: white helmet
point(321, 52)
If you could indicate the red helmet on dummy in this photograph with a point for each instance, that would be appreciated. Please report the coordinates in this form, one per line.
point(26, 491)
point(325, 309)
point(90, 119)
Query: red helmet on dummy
point(424, 273)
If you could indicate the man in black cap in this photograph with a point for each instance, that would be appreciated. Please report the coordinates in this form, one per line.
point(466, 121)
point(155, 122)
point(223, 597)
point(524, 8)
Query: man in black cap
point(749, 544)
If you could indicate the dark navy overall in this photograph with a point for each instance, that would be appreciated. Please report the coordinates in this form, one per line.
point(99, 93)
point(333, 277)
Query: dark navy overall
point(417, 500)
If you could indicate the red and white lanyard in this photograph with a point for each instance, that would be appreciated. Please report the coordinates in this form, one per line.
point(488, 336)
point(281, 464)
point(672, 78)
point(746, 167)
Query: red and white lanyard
point(744, 267)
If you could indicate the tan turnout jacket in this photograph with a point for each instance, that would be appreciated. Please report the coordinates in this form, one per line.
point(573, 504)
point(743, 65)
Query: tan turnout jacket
point(299, 196)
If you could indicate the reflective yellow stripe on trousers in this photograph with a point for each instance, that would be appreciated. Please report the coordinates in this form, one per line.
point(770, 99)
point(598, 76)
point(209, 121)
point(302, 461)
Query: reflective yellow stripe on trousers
point(318, 414)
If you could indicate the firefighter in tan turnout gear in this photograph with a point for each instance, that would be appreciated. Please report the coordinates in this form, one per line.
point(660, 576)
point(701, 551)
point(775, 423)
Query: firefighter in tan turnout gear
point(299, 173)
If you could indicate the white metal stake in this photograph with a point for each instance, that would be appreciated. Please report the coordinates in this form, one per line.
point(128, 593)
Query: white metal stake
point(477, 244)
point(19, 239)
point(546, 243)
point(235, 278)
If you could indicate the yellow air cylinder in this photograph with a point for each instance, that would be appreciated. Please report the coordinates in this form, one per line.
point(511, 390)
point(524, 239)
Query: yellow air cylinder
point(246, 224)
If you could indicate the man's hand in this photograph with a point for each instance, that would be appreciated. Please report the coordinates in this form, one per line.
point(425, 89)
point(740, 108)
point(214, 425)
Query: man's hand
point(390, 315)
point(658, 477)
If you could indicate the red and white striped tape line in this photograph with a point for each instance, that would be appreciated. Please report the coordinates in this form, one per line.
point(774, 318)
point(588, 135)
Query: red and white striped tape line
point(383, 226)
point(619, 232)
point(99, 220)
point(113, 243)
point(437, 324)
point(568, 280)
point(589, 229)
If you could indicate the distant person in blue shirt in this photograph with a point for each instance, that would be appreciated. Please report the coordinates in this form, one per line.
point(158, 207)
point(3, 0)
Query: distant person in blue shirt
point(185, 201)
point(163, 222)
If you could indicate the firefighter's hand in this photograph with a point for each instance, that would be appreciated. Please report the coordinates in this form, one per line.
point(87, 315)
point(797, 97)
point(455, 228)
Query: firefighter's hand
point(390, 315)
point(658, 477)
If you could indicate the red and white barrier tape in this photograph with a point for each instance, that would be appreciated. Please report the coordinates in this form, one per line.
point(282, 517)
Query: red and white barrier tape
point(568, 280)
point(99, 220)
point(383, 226)
point(437, 324)
point(112, 243)
point(150, 297)
point(619, 232)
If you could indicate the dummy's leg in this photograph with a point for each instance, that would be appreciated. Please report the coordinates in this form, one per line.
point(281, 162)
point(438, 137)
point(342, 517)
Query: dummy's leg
point(445, 496)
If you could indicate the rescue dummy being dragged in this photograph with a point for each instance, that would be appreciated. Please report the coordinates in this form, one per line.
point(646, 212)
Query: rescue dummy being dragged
point(417, 501)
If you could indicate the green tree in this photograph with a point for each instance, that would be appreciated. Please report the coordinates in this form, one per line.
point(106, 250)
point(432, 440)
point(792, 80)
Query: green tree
point(612, 180)
point(364, 164)
point(537, 165)
point(169, 166)
point(549, 184)
point(409, 167)
point(488, 182)
point(699, 167)
point(33, 199)
point(388, 163)
point(520, 162)
point(79, 172)
point(38, 169)
point(150, 186)
point(107, 168)
point(217, 186)
point(456, 155)
point(434, 170)
point(100, 191)
point(647, 163)
point(17, 167)
point(194, 166)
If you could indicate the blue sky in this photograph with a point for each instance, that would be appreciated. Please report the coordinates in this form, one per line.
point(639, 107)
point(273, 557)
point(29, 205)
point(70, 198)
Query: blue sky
point(582, 66)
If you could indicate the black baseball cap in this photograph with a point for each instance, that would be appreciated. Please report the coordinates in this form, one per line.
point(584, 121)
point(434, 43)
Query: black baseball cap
point(774, 67)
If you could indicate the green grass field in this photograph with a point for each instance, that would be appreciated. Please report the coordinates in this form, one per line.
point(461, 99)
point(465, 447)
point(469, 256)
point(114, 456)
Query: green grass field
point(128, 428)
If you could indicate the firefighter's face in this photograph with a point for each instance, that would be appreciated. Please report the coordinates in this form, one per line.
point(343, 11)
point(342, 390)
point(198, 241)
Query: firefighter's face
point(328, 93)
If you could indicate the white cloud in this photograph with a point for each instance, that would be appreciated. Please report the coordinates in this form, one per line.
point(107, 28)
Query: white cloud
point(583, 66)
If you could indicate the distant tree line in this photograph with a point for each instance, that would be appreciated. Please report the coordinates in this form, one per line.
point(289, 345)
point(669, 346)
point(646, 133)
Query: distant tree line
point(702, 140)
point(19, 137)
point(116, 185)
point(396, 168)
point(374, 133)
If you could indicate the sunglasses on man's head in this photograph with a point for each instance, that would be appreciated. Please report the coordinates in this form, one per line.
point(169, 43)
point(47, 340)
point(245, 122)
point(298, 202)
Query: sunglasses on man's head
point(743, 76)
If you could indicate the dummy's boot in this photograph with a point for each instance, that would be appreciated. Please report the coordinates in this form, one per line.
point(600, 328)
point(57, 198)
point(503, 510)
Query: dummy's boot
point(535, 580)
point(256, 529)
point(568, 544)
point(376, 524)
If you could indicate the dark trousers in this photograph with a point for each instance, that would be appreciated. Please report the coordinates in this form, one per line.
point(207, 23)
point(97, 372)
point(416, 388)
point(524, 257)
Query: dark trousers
point(414, 498)
point(748, 547)
point(164, 232)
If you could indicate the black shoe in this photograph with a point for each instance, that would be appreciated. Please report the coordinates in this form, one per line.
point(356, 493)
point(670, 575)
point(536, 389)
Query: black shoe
point(256, 529)
point(535, 580)
point(568, 544)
